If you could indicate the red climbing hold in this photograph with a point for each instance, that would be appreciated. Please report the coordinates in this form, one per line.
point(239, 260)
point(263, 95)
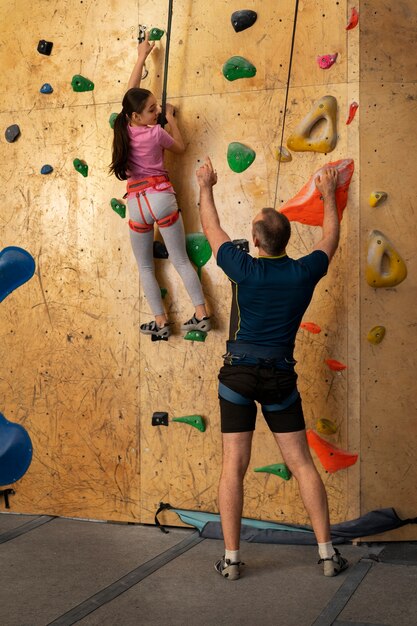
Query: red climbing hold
point(336, 366)
point(326, 60)
point(307, 206)
point(353, 20)
point(352, 111)
point(332, 458)
point(311, 327)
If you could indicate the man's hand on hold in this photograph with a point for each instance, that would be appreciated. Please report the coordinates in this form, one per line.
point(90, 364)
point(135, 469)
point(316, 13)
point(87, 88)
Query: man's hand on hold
point(206, 175)
point(326, 181)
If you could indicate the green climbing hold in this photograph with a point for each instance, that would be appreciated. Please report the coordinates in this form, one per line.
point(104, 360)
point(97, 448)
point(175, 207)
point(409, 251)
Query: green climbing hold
point(239, 156)
point(81, 166)
point(279, 469)
point(193, 420)
point(155, 34)
point(196, 335)
point(163, 292)
point(118, 206)
point(112, 119)
point(198, 250)
point(80, 83)
point(238, 67)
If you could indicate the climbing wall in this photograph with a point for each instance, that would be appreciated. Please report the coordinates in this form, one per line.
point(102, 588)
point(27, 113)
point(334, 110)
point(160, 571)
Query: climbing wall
point(69, 343)
point(77, 374)
point(388, 163)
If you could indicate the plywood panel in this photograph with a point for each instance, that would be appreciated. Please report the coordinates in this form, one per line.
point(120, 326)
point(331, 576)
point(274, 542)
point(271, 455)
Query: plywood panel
point(68, 336)
point(208, 127)
point(388, 411)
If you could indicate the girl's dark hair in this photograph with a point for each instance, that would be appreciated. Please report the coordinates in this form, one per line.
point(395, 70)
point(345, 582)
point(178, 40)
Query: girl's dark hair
point(134, 101)
point(273, 231)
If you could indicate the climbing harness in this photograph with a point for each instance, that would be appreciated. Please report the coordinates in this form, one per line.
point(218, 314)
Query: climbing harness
point(138, 188)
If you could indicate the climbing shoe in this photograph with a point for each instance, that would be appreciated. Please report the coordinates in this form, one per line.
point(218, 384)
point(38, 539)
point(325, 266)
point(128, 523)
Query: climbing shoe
point(195, 324)
point(151, 328)
point(227, 569)
point(334, 565)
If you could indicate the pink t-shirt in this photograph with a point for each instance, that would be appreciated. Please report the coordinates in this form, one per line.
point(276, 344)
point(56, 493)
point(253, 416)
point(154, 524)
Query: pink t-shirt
point(146, 151)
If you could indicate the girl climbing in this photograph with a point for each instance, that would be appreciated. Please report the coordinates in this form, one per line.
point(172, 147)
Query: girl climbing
point(138, 149)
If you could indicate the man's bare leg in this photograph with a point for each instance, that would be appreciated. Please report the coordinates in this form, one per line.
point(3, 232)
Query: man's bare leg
point(297, 457)
point(236, 457)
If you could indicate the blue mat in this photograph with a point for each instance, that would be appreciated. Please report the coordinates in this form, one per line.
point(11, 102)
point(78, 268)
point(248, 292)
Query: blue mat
point(16, 267)
point(258, 531)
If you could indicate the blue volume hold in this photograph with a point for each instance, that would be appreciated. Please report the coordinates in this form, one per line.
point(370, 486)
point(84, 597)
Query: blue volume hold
point(46, 88)
point(46, 169)
point(17, 266)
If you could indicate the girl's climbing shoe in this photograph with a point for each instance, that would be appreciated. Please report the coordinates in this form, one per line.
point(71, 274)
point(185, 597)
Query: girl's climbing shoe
point(334, 565)
point(195, 324)
point(151, 328)
point(227, 569)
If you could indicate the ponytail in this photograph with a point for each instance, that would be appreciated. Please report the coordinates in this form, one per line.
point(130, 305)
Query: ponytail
point(120, 156)
point(133, 101)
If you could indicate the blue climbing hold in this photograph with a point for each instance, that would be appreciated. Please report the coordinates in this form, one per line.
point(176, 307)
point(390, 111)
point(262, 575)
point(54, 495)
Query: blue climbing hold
point(46, 88)
point(16, 267)
point(46, 169)
point(15, 451)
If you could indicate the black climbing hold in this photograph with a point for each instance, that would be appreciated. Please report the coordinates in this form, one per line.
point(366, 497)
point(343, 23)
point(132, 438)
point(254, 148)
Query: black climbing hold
point(47, 169)
point(159, 250)
point(241, 244)
point(46, 88)
point(45, 47)
point(12, 133)
point(243, 19)
point(160, 418)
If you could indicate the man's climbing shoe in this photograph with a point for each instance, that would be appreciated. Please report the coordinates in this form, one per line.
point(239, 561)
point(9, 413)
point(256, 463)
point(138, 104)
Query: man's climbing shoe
point(151, 328)
point(195, 324)
point(334, 565)
point(227, 569)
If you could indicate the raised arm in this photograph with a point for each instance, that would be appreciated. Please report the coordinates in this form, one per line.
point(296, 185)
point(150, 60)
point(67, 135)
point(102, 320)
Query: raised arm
point(326, 183)
point(207, 178)
point(144, 49)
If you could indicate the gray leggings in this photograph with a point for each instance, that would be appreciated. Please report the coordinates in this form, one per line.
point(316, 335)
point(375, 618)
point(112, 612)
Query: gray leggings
point(162, 204)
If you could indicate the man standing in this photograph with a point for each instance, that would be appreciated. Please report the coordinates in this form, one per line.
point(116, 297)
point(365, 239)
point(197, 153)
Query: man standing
point(273, 292)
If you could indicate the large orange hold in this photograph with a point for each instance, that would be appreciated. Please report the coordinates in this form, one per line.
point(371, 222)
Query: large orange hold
point(307, 206)
point(332, 458)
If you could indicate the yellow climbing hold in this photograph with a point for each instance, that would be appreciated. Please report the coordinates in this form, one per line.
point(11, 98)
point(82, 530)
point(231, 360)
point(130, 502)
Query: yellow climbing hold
point(385, 267)
point(283, 155)
point(377, 197)
point(302, 140)
point(326, 427)
point(376, 334)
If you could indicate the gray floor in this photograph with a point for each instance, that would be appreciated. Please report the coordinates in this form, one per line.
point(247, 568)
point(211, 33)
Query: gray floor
point(61, 571)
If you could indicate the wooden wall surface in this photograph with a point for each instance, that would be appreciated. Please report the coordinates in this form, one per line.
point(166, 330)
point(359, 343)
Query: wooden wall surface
point(76, 371)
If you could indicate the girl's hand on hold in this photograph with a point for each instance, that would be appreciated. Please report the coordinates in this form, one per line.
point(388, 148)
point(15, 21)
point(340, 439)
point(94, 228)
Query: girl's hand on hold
point(169, 110)
point(206, 175)
point(145, 48)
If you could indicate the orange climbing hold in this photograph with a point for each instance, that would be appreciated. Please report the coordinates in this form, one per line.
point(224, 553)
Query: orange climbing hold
point(336, 366)
point(307, 206)
point(353, 20)
point(352, 111)
point(332, 458)
point(311, 327)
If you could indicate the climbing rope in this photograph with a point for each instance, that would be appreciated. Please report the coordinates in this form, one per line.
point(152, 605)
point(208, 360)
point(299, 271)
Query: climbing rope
point(286, 94)
point(165, 83)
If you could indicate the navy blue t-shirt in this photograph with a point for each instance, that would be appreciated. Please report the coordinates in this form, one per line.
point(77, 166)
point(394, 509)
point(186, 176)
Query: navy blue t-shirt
point(272, 293)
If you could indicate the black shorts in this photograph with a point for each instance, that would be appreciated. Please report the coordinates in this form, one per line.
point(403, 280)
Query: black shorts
point(266, 385)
